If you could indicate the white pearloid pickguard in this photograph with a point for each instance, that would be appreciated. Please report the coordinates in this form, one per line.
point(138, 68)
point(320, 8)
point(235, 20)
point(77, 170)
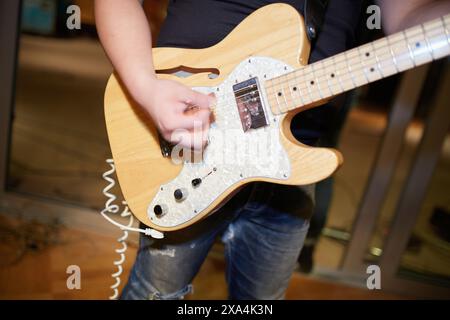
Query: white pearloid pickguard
point(232, 155)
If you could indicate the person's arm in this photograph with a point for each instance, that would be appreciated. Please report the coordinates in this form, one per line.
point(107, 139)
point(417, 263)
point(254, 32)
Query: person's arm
point(125, 35)
point(399, 15)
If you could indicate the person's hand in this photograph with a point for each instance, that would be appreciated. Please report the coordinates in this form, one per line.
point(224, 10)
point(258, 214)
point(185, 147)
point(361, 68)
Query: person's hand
point(181, 114)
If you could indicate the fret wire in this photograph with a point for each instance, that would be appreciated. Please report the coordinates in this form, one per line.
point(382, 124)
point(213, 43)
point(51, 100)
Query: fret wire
point(288, 75)
point(278, 103)
point(275, 93)
point(291, 75)
point(301, 95)
point(363, 64)
point(283, 107)
point(309, 91)
point(351, 74)
point(316, 81)
point(411, 53)
point(391, 51)
point(294, 80)
point(428, 42)
point(297, 84)
point(394, 59)
point(322, 68)
point(328, 83)
point(280, 89)
point(377, 60)
point(339, 78)
point(284, 97)
point(386, 46)
point(333, 59)
point(299, 75)
point(319, 81)
point(293, 99)
point(349, 69)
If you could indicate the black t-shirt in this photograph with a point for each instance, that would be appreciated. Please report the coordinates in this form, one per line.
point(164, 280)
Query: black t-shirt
point(203, 23)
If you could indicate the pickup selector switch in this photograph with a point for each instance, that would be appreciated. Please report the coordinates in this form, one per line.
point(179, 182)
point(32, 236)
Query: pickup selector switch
point(196, 182)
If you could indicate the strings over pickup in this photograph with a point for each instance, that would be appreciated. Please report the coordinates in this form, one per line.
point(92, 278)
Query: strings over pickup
point(249, 104)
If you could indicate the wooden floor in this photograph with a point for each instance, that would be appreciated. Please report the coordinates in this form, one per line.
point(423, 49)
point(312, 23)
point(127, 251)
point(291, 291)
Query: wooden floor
point(41, 273)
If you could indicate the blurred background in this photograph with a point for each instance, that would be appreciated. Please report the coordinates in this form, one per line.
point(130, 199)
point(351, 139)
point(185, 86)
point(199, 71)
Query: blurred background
point(389, 206)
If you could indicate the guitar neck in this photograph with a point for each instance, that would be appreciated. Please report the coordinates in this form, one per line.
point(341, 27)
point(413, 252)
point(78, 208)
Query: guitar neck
point(376, 60)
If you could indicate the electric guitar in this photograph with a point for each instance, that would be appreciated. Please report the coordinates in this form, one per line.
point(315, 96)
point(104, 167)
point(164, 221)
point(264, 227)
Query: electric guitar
point(260, 77)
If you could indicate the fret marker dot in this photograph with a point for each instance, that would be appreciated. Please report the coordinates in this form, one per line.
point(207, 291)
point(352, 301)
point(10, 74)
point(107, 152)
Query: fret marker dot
point(312, 83)
point(367, 54)
point(332, 75)
point(417, 44)
point(279, 94)
point(294, 88)
point(372, 69)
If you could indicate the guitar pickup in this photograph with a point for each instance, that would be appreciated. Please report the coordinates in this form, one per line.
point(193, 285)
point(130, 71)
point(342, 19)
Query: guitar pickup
point(250, 108)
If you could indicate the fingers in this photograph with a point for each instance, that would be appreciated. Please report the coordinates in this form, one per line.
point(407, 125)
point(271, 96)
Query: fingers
point(186, 122)
point(189, 129)
point(192, 119)
point(195, 130)
point(199, 100)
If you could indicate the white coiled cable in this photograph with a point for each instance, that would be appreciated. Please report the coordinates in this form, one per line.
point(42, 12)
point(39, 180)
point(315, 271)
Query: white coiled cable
point(111, 207)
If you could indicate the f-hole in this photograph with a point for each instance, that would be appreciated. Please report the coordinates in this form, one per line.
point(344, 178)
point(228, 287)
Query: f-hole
point(186, 72)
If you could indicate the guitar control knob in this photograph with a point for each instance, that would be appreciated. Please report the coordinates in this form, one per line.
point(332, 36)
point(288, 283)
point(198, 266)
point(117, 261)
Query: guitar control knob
point(160, 210)
point(180, 194)
point(196, 182)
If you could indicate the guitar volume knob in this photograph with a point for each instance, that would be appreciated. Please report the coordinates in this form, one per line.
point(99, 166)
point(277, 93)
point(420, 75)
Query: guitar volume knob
point(180, 194)
point(160, 210)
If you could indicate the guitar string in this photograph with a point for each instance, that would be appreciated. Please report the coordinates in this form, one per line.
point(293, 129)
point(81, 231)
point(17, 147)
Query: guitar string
point(442, 26)
point(361, 68)
point(346, 76)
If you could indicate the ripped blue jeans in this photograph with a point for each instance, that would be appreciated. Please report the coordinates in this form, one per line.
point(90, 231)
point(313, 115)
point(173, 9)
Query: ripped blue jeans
point(263, 229)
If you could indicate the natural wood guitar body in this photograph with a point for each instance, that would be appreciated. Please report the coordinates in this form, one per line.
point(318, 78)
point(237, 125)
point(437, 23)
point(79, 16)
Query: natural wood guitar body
point(275, 31)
